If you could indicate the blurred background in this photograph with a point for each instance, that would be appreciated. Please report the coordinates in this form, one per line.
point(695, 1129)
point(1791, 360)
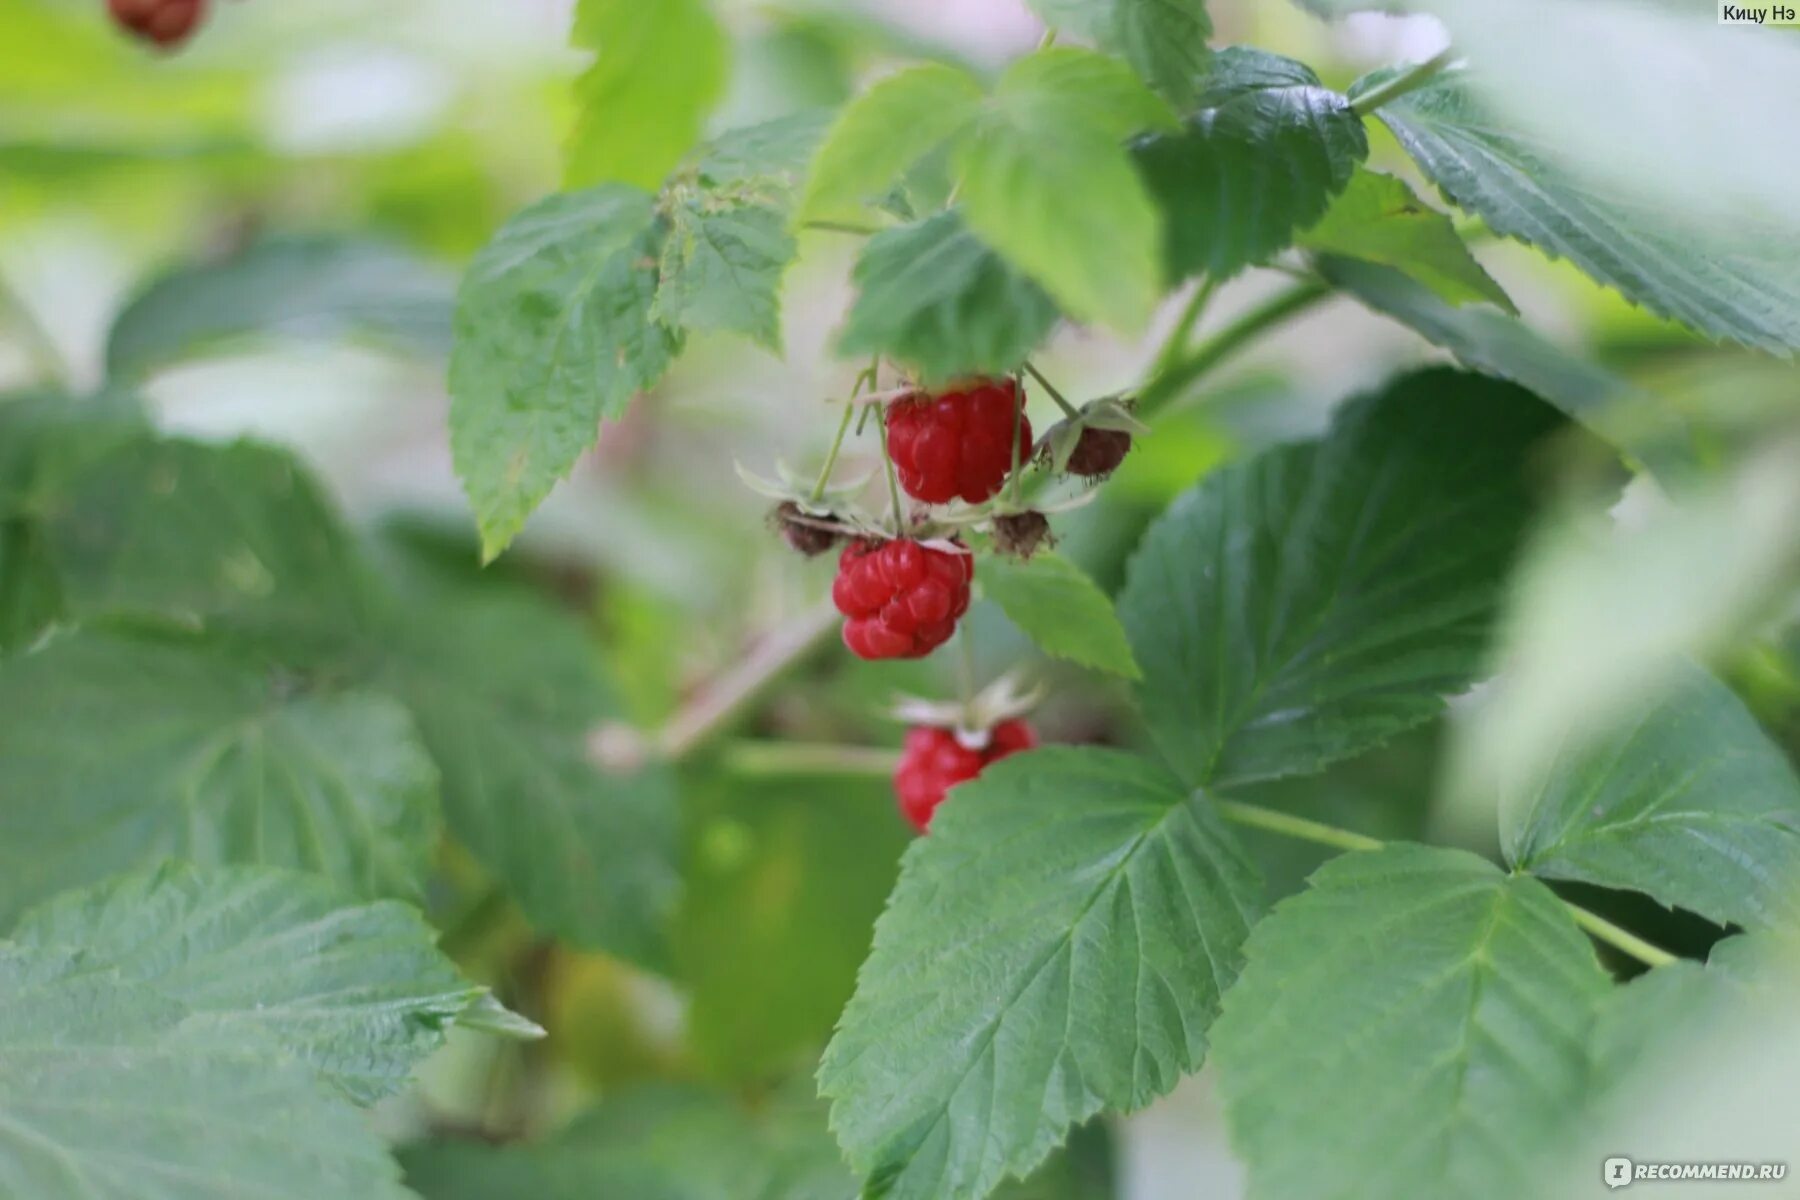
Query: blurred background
point(380, 145)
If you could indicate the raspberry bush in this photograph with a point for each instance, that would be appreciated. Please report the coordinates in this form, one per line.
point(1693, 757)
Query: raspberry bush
point(1062, 570)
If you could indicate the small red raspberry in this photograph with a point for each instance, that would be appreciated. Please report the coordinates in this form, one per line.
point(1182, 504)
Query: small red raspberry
point(957, 443)
point(168, 23)
point(902, 598)
point(1099, 452)
point(933, 762)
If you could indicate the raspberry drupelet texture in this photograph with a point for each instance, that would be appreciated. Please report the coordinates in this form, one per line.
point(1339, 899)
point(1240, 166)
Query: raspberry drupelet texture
point(957, 443)
point(933, 761)
point(902, 597)
point(167, 23)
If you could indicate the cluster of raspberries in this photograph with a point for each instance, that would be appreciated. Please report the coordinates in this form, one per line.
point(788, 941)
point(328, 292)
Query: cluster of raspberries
point(901, 598)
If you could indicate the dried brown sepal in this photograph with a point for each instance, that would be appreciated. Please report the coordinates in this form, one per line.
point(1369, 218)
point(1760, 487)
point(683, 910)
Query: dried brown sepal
point(1098, 452)
point(1020, 535)
point(811, 536)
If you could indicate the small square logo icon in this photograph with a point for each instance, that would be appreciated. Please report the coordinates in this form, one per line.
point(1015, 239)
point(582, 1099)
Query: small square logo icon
point(1616, 1172)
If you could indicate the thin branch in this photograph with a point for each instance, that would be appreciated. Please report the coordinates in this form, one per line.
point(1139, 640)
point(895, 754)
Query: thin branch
point(1067, 408)
point(1409, 80)
point(1175, 345)
point(1169, 385)
point(849, 227)
point(892, 479)
point(1620, 939)
point(726, 697)
point(760, 759)
point(831, 457)
point(1289, 825)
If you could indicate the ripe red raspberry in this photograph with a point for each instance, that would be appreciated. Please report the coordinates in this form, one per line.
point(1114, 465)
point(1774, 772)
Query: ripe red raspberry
point(933, 762)
point(957, 443)
point(902, 597)
point(166, 22)
point(1099, 452)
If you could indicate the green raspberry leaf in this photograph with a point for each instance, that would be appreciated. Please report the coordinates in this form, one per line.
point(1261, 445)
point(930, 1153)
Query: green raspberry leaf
point(1728, 279)
point(932, 296)
point(882, 133)
point(1260, 156)
point(722, 264)
point(1163, 40)
point(360, 992)
point(1688, 802)
point(776, 151)
point(641, 106)
point(1057, 946)
point(295, 286)
point(554, 333)
point(119, 750)
point(188, 1033)
point(1416, 1023)
point(1303, 607)
point(1378, 219)
point(1060, 609)
point(506, 689)
point(206, 1110)
point(1495, 344)
point(1047, 182)
point(235, 537)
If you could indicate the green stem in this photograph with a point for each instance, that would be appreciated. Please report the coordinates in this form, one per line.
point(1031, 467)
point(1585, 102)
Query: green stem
point(1049, 38)
point(1068, 409)
point(849, 227)
point(1169, 385)
point(831, 456)
point(893, 480)
point(759, 759)
point(1619, 939)
point(1409, 80)
point(1176, 343)
point(1016, 485)
point(725, 698)
point(1288, 825)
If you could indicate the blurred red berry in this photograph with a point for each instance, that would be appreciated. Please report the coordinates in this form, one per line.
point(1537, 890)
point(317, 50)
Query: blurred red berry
point(957, 443)
point(1099, 452)
point(933, 762)
point(902, 597)
point(168, 23)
